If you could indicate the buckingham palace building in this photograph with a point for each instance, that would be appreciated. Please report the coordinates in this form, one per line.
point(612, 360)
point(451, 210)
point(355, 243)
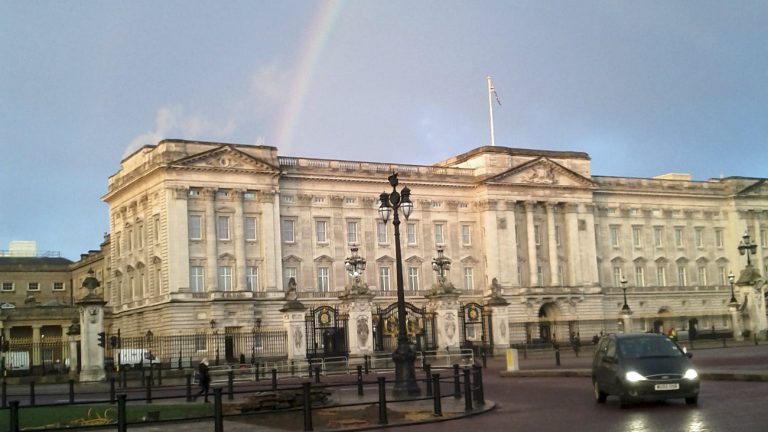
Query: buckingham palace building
point(209, 235)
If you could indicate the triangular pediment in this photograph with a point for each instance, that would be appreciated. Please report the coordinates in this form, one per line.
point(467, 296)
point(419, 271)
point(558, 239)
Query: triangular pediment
point(226, 158)
point(542, 172)
point(759, 188)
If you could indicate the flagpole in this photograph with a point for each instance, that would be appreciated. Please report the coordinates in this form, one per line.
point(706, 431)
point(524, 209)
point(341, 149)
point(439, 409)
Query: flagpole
point(490, 108)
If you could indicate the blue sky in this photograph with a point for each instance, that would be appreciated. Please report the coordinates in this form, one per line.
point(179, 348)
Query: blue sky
point(644, 87)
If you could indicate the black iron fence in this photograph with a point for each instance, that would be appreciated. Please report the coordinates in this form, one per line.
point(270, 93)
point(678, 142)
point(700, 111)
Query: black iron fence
point(22, 356)
point(307, 398)
point(187, 349)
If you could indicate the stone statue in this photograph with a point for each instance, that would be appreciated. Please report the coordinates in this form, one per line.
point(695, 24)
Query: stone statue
point(496, 298)
point(292, 297)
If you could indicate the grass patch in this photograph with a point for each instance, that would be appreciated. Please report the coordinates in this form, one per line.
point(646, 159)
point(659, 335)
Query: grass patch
point(80, 415)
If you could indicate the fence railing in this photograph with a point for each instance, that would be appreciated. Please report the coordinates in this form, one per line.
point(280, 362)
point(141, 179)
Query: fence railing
point(456, 383)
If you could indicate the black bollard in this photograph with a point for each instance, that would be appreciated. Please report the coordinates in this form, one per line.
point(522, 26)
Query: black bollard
point(306, 387)
point(467, 390)
point(256, 371)
point(179, 363)
point(160, 374)
point(4, 395)
point(456, 382)
point(359, 380)
point(112, 390)
point(557, 356)
point(218, 414)
point(189, 387)
point(317, 374)
point(484, 357)
point(149, 390)
point(71, 391)
point(479, 395)
point(293, 369)
point(436, 393)
point(231, 385)
point(14, 420)
point(755, 335)
point(122, 414)
point(382, 400)
point(366, 363)
point(32, 393)
point(274, 379)
point(123, 378)
point(428, 373)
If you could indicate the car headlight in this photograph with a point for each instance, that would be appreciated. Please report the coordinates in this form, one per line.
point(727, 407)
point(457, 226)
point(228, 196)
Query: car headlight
point(690, 374)
point(633, 376)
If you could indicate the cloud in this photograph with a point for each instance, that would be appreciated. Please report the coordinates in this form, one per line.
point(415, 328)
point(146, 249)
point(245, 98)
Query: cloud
point(257, 107)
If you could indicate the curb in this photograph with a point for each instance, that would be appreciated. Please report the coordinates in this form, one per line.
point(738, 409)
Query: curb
point(570, 373)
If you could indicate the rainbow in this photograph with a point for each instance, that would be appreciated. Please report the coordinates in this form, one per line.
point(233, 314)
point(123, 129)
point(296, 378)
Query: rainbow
point(321, 28)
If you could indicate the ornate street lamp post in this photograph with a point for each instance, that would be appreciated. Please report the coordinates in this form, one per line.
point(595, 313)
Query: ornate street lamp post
point(404, 356)
point(441, 264)
point(355, 265)
point(731, 279)
point(625, 308)
point(746, 247)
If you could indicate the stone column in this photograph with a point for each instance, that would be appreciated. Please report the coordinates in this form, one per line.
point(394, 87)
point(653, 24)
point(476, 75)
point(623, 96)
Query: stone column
point(589, 251)
point(358, 309)
point(73, 341)
point(759, 263)
point(509, 271)
point(733, 309)
point(554, 274)
point(294, 321)
point(572, 239)
point(35, 360)
point(270, 241)
point(490, 222)
point(91, 309)
point(239, 240)
point(445, 306)
point(499, 308)
point(211, 257)
point(532, 258)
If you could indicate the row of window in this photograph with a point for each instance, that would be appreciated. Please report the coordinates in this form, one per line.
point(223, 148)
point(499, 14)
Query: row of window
point(224, 278)
point(661, 276)
point(382, 233)
point(679, 234)
point(33, 286)
point(412, 278)
point(196, 225)
point(134, 236)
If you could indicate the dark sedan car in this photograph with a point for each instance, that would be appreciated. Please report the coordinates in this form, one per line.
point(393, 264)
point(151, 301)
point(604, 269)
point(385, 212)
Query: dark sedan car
point(644, 366)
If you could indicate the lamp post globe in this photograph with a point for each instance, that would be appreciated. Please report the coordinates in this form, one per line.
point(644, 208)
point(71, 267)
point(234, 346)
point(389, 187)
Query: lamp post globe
point(404, 356)
point(747, 247)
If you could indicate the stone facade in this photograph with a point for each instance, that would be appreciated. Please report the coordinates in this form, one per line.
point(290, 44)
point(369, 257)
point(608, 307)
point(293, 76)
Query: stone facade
point(203, 231)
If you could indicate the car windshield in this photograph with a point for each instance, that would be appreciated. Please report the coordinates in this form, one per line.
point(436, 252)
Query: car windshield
point(648, 347)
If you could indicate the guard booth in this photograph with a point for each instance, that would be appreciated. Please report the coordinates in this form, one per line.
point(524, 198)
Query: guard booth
point(476, 328)
point(419, 324)
point(326, 333)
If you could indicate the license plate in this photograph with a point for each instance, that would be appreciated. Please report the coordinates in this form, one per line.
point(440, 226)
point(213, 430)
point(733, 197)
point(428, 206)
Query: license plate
point(663, 387)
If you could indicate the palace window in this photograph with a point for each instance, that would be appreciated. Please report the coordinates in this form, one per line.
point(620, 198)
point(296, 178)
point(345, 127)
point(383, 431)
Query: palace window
point(225, 278)
point(252, 278)
point(682, 275)
point(250, 228)
point(721, 278)
point(466, 235)
point(323, 279)
point(719, 237)
point(702, 275)
point(699, 237)
point(288, 273)
point(58, 286)
point(381, 232)
point(288, 228)
point(384, 278)
point(661, 276)
point(195, 227)
point(352, 232)
point(639, 276)
point(617, 273)
point(469, 281)
point(658, 236)
point(33, 286)
point(537, 235)
point(439, 239)
point(8, 286)
point(410, 233)
point(222, 227)
point(413, 278)
point(615, 239)
point(196, 281)
point(637, 236)
point(679, 239)
point(321, 231)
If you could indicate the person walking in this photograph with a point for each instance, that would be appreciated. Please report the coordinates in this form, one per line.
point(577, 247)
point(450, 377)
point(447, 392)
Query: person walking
point(203, 379)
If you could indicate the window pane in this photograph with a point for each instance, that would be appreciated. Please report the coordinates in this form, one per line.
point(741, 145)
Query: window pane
point(222, 227)
point(288, 234)
point(250, 228)
point(384, 278)
point(381, 231)
point(195, 227)
point(410, 230)
point(320, 231)
point(351, 232)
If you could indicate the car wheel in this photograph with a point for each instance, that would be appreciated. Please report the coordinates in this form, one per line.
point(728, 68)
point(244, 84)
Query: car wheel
point(600, 396)
point(693, 400)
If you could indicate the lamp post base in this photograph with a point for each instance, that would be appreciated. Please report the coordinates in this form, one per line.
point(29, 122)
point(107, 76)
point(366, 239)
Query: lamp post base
point(405, 372)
